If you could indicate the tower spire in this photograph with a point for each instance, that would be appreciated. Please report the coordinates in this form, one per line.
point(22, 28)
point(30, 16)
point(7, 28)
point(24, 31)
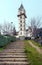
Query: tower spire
point(21, 7)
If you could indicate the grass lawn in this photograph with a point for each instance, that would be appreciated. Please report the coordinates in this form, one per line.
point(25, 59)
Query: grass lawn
point(1, 49)
point(33, 56)
point(36, 43)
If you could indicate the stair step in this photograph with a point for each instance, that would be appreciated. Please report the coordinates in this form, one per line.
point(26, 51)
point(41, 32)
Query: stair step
point(14, 63)
point(12, 56)
point(15, 49)
point(12, 53)
point(13, 59)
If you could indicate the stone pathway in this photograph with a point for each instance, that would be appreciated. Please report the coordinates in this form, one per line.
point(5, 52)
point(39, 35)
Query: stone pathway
point(14, 54)
point(36, 47)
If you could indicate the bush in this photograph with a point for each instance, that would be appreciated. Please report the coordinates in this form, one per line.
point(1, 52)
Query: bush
point(12, 38)
point(27, 38)
point(4, 40)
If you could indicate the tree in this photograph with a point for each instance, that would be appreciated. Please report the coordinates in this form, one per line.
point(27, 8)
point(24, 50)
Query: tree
point(0, 29)
point(35, 24)
point(7, 28)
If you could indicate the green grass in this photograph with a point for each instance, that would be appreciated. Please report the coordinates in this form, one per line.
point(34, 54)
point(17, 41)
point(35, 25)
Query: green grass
point(1, 49)
point(33, 56)
point(36, 43)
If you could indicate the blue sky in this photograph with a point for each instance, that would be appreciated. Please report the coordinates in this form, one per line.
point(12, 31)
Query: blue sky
point(9, 10)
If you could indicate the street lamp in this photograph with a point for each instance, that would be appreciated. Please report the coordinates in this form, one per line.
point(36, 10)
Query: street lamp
point(11, 26)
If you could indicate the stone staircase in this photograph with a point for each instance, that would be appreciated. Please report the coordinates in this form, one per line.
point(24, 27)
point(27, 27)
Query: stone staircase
point(14, 54)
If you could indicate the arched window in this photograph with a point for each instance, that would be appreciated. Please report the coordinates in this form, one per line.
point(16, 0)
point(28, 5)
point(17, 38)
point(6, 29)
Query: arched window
point(21, 33)
point(21, 21)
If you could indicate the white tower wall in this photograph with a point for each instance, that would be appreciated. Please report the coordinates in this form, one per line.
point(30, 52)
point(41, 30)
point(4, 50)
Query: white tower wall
point(21, 19)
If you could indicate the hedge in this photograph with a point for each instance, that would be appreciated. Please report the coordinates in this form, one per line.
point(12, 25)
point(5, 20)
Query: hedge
point(4, 40)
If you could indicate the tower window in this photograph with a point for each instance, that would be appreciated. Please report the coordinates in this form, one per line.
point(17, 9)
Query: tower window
point(21, 25)
point(20, 28)
point(21, 17)
point(21, 21)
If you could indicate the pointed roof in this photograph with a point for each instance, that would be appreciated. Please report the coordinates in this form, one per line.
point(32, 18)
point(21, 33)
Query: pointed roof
point(21, 7)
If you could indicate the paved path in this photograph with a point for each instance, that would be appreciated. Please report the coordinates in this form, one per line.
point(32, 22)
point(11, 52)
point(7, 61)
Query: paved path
point(14, 54)
point(36, 47)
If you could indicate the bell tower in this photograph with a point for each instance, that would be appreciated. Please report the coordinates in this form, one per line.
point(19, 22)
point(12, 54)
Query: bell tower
point(22, 18)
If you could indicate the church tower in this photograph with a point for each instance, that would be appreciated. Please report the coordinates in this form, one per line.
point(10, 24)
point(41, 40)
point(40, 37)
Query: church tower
point(22, 18)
